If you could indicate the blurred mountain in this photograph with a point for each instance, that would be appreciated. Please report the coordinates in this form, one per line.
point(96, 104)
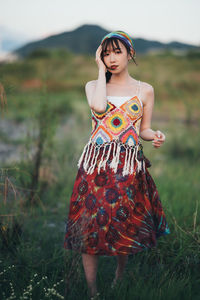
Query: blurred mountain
point(85, 40)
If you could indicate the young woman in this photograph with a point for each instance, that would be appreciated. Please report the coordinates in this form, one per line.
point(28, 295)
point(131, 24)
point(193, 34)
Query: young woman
point(115, 208)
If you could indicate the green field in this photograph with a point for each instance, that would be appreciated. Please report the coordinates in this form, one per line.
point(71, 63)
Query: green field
point(46, 124)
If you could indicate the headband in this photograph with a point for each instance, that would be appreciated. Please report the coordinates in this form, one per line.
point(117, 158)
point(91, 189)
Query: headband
point(121, 35)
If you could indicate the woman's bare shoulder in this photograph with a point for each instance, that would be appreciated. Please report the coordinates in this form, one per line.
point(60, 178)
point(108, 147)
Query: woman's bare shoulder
point(147, 92)
point(146, 86)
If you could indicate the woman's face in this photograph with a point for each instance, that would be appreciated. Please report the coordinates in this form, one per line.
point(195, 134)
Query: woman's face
point(116, 60)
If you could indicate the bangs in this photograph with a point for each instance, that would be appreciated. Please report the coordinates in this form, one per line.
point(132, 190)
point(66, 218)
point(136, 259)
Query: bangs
point(113, 42)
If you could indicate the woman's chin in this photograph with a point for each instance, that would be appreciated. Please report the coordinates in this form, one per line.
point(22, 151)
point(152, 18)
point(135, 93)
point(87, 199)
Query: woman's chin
point(114, 70)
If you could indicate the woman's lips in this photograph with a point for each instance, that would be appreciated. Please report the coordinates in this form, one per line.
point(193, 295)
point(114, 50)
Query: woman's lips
point(113, 67)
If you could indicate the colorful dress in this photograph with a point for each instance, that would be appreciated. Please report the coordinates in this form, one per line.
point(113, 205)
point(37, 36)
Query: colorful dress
point(115, 207)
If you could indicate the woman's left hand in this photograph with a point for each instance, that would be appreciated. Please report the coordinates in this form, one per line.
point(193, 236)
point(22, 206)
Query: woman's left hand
point(159, 139)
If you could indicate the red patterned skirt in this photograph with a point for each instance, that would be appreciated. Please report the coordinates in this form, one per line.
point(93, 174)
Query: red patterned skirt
point(111, 214)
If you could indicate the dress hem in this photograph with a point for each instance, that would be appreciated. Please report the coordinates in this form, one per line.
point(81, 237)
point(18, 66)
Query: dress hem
point(116, 253)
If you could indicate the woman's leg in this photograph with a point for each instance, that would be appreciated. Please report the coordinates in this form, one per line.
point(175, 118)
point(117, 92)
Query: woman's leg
point(90, 263)
point(121, 262)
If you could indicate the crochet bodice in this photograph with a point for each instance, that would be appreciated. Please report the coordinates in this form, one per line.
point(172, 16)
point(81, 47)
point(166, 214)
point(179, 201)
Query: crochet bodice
point(118, 125)
point(119, 122)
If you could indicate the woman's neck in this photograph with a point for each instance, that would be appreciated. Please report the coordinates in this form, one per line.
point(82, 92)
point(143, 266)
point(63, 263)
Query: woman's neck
point(123, 78)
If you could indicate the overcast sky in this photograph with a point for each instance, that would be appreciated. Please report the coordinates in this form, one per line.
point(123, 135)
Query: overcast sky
point(160, 20)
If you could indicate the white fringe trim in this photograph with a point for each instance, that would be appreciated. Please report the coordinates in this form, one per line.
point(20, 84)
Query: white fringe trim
point(91, 152)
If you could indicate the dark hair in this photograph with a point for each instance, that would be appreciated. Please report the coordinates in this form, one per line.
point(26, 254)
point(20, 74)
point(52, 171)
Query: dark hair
point(113, 41)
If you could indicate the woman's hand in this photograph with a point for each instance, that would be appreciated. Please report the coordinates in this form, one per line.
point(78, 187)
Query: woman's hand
point(99, 61)
point(159, 139)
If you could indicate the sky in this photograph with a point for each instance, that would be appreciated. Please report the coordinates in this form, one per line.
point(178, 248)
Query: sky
point(164, 21)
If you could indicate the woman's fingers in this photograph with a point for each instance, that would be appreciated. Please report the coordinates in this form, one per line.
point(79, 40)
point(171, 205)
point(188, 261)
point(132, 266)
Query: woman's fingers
point(156, 144)
point(159, 138)
point(98, 52)
point(158, 133)
point(99, 61)
point(99, 49)
point(162, 139)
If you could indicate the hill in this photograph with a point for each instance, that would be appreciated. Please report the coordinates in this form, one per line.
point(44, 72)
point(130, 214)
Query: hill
point(86, 38)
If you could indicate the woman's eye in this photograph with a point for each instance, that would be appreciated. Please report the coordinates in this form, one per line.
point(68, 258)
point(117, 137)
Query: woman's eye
point(106, 54)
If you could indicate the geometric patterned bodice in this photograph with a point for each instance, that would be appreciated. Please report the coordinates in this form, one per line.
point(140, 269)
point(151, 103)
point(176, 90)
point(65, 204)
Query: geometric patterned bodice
point(120, 123)
point(116, 127)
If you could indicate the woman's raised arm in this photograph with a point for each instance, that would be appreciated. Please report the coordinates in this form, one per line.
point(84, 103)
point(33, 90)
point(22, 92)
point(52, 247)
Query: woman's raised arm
point(96, 89)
